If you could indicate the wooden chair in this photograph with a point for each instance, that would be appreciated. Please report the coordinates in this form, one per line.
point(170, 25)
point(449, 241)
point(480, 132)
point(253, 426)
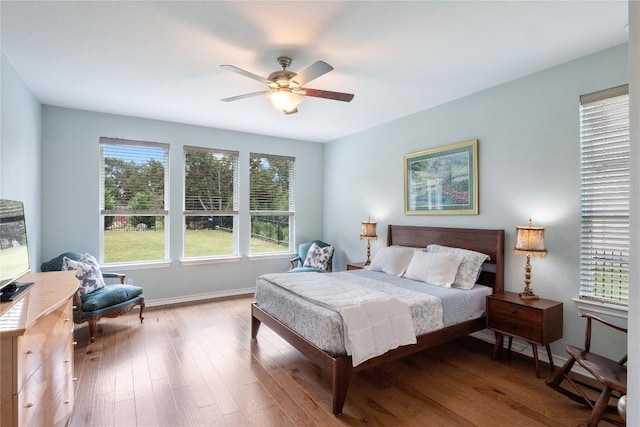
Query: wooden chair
point(611, 374)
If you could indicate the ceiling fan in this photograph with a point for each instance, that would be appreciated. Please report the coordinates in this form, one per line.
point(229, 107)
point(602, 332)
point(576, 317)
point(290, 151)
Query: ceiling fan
point(286, 89)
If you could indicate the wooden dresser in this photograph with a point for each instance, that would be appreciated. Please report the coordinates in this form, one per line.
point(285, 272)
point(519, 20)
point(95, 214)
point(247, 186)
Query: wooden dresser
point(36, 352)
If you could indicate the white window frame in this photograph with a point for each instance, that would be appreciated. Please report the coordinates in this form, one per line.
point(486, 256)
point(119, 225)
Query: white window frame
point(290, 213)
point(127, 212)
point(234, 212)
point(605, 194)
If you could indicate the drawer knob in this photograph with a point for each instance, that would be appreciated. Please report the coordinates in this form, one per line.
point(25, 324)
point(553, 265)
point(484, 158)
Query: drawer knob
point(29, 352)
point(74, 379)
point(29, 405)
point(66, 320)
point(67, 401)
point(67, 361)
point(75, 343)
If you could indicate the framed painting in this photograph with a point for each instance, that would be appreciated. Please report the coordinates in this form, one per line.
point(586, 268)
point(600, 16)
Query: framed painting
point(442, 181)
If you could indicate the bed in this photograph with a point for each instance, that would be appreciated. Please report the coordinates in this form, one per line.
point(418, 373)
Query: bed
point(489, 242)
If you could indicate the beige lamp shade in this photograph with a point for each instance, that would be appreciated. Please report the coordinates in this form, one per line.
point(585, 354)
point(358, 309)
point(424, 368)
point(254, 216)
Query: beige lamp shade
point(530, 241)
point(368, 230)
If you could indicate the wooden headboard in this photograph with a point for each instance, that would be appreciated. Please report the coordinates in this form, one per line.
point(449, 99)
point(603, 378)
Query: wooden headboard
point(490, 242)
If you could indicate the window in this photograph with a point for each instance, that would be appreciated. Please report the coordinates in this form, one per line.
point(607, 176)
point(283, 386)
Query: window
point(272, 202)
point(604, 166)
point(210, 202)
point(134, 194)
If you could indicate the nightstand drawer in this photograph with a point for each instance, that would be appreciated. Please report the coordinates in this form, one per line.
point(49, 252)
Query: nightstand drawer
point(518, 327)
point(515, 312)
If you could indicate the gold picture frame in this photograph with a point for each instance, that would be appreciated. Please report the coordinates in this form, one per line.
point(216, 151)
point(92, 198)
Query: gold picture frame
point(442, 181)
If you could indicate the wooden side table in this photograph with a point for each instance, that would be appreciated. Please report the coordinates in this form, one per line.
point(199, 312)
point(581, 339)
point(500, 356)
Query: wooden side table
point(355, 266)
point(539, 322)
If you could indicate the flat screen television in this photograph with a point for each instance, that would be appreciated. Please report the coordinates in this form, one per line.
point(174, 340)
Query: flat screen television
point(14, 251)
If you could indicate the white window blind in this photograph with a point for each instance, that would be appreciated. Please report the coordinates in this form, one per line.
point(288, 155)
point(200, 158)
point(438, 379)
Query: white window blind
point(271, 202)
point(604, 167)
point(211, 181)
point(210, 202)
point(134, 174)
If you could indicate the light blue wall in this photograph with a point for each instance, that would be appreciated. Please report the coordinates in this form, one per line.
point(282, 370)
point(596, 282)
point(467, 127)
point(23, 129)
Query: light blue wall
point(20, 152)
point(70, 200)
point(528, 136)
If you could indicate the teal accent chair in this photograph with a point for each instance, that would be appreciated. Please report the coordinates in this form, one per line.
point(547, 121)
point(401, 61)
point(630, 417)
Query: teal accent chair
point(111, 300)
point(297, 263)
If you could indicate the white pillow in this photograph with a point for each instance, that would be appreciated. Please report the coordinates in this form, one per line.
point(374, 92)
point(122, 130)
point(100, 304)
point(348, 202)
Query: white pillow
point(87, 271)
point(435, 268)
point(469, 269)
point(392, 259)
point(318, 257)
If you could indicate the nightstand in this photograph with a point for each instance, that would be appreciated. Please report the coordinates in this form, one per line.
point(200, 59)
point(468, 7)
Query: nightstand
point(355, 266)
point(539, 322)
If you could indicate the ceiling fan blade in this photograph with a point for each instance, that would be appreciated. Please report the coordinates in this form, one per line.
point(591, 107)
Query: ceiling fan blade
point(313, 71)
point(246, 95)
point(246, 73)
point(337, 96)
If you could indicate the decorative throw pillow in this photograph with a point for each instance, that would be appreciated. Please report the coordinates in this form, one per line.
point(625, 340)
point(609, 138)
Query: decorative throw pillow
point(392, 260)
point(469, 269)
point(318, 257)
point(87, 271)
point(434, 268)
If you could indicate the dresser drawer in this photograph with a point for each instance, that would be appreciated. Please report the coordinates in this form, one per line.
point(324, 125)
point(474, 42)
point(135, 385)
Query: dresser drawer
point(45, 337)
point(46, 391)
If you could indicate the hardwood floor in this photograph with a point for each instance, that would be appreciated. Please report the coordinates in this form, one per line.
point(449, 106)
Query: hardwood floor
point(195, 365)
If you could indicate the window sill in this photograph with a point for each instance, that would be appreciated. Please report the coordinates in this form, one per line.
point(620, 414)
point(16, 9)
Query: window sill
point(142, 265)
point(212, 260)
point(601, 308)
point(280, 255)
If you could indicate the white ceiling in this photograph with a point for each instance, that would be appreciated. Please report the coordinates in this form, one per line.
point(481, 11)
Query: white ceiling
point(160, 59)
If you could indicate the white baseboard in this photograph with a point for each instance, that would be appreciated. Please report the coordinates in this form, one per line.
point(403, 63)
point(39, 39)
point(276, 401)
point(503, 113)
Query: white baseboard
point(523, 347)
point(199, 297)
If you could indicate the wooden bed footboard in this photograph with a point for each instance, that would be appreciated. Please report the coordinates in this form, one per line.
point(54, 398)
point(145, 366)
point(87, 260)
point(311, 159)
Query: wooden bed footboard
point(490, 242)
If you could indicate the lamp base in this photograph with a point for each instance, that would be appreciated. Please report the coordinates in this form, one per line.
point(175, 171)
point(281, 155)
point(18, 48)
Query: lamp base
point(528, 295)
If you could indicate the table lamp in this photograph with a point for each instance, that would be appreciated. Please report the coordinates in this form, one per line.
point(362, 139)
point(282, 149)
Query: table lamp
point(529, 243)
point(368, 233)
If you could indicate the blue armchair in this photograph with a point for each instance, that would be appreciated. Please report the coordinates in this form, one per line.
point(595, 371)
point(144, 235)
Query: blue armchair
point(111, 300)
point(297, 263)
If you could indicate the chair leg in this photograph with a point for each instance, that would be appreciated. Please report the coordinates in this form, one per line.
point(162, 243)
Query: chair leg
point(563, 374)
point(599, 408)
point(92, 327)
point(141, 311)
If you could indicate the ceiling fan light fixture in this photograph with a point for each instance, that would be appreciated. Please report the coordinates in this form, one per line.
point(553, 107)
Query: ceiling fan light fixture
point(284, 100)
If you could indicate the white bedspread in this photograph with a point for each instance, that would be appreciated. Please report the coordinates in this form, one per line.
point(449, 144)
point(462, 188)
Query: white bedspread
point(374, 321)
